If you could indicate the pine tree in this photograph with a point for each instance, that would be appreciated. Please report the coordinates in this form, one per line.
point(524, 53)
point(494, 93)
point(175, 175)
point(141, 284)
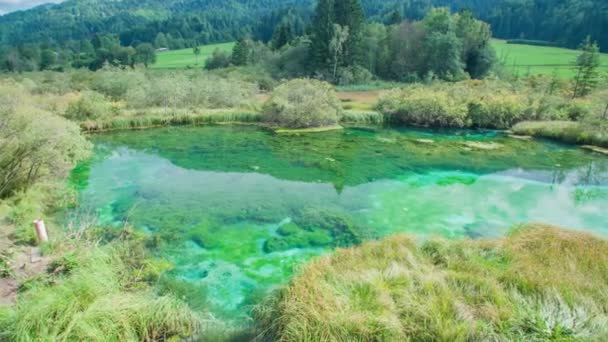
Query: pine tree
point(323, 32)
point(241, 52)
point(586, 64)
point(395, 18)
point(349, 13)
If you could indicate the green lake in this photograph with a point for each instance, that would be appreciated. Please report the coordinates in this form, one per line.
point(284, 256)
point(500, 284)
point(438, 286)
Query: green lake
point(237, 208)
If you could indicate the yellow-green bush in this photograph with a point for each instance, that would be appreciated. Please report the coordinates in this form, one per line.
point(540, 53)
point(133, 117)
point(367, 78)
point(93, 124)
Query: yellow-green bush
point(499, 111)
point(90, 106)
point(36, 144)
point(421, 107)
point(538, 283)
point(303, 103)
point(483, 104)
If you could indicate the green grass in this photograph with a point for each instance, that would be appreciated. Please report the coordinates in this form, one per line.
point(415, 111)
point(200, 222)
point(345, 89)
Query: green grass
point(182, 59)
point(97, 294)
point(539, 283)
point(591, 133)
point(528, 59)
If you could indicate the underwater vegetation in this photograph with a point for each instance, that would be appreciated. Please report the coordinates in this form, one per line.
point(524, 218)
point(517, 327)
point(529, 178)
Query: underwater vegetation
point(237, 210)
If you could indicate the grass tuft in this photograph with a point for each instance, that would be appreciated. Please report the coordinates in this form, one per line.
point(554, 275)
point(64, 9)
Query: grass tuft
point(538, 283)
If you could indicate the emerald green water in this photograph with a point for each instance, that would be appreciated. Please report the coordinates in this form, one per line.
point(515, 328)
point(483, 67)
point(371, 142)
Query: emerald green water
point(236, 208)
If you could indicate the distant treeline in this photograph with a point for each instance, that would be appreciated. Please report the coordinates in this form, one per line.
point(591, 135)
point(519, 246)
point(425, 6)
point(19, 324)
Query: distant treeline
point(52, 36)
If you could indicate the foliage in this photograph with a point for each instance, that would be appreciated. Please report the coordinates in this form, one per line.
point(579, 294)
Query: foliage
point(179, 90)
point(586, 64)
point(242, 52)
point(89, 106)
point(100, 296)
point(483, 104)
point(35, 143)
point(398, 289)
point(592, 132)
point(303, 103)
point(219, 59)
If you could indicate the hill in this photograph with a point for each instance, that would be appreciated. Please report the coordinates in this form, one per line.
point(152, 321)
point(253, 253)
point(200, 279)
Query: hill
point(566, 22)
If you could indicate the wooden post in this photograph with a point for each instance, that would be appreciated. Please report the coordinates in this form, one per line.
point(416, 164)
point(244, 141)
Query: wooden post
point(605, 116)
point(41, 231)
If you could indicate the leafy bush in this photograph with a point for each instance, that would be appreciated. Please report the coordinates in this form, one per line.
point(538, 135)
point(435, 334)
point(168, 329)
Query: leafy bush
point(420, 107)
point(114, 82)
point(483, 104)
point(90, 106)
point(219, 59)
point(35, 144)
point(303, 103)
point(397, 289)
point(591, 132)
point(499, 111)
point(180, 90)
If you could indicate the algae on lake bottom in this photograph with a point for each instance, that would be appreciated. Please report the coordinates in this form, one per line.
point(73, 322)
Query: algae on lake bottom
point(236, 208)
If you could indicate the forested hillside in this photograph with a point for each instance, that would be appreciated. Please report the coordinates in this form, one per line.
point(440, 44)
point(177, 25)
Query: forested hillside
point(565, 22)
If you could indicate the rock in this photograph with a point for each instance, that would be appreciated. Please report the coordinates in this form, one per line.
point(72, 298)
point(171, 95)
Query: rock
point(483, 145)
point(520, 137)
point(596, 149)
point(425, 141)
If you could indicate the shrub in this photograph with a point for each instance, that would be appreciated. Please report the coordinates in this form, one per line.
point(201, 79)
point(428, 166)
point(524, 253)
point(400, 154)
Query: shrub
point(114, 82)
point(420, 107)
point(586, 132)
point(500, 111)
point(219, 59)
point(89, 106)
point(303, 103)
point(35, 144)
point(538, 283)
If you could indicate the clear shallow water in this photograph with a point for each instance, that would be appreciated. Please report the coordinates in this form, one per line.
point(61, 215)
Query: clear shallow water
point(236, 208)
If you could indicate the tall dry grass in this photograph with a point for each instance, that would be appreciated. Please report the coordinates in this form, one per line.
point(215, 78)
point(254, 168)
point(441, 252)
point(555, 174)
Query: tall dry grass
point(538, 283)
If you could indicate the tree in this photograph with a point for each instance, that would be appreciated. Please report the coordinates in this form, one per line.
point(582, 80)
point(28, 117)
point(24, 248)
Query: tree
point(477, 54)
point(282, 35)
point(197, 53)
point(336, 45)
point(395, 18)
point(160, 42)
point(219, 59)
point(145, 54)
point(323, 32)
point(241, 53)
point(586, 64)
point(48, 58)
point(349, 13)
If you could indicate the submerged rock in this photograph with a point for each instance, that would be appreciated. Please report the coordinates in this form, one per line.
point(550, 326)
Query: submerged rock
point(425, 141)
point(596, 149)
point(483, 145)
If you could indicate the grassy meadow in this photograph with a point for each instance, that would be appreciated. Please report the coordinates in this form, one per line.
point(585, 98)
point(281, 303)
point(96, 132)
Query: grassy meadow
point(521, 59)
point(182, 59)
point(526, 60)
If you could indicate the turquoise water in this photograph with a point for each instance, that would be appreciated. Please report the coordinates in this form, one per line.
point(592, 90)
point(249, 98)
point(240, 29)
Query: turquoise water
point(236, 208)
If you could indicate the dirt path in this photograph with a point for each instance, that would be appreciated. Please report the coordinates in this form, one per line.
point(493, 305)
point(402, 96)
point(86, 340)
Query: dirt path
point(25, 262)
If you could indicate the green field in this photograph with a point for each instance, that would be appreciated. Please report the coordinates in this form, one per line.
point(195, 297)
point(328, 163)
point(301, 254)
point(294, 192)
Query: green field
point(521, 59)
point(529, 59)
point(182, 59)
